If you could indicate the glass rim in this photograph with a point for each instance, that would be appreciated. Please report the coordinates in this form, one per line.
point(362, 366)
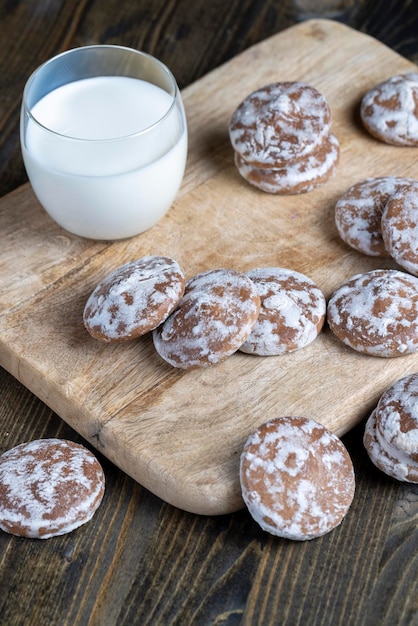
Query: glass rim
point(175, 95)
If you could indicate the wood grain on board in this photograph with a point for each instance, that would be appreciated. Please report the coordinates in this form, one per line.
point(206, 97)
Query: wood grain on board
point(180, 433)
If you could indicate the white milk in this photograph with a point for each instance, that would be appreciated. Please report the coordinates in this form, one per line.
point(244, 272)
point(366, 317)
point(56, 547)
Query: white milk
point(97, 174)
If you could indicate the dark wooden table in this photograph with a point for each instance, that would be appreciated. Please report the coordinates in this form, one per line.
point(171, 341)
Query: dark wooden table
point(141, 561)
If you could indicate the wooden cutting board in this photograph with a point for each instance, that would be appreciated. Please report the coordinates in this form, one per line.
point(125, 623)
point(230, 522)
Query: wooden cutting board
point(180, 433)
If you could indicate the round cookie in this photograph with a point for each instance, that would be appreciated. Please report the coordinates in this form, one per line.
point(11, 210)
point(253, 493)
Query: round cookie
point(213, 319)
point(292, 312)
point(385, 457)
point(297, 478)
point(400, 227)
point(358, 213)
point(278, 123)
point(297, 177)
point(397, 416)
point(376, 313)
point(389, 110)
point(134, 299)
point(48, 487)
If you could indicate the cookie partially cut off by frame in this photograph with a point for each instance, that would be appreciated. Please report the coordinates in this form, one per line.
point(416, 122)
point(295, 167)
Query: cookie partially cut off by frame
point(400, 227)
point(48, 487)
point(389, 110)
point(358, 213)
point(391, 432)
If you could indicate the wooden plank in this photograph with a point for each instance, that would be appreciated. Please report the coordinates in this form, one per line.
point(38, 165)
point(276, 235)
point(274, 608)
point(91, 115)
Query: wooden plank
point(180, 433)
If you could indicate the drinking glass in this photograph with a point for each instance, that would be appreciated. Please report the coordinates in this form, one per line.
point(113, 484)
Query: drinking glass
point(104, 140)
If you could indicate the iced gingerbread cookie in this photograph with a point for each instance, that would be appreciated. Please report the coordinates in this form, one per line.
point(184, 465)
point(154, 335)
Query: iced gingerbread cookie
point(48, 487)
point(279, 123)
point(296, 177)
point(358, 213)
point(297, 478)
point(215, 316)
point(292, 312)
point(134, 299)
point(389, 110)
point(397, 412)
point(376, 313)
point(400, 227)
point(385, 457)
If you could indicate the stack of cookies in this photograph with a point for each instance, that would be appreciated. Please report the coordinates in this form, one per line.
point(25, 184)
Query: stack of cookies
point(281, 138)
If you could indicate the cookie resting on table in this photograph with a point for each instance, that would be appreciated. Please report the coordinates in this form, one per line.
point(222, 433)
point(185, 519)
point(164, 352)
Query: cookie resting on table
point(215, 316)
point(134, 299)
point(387, 458)
point(391, 433)
point(376, 313)
point(292, 312)
point(297, 478)
point(389, 110)
point(48, 487)
point(358, 213)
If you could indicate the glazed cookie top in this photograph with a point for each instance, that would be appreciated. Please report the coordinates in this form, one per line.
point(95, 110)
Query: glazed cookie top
point(213, 319)
point(387, 458)
point(390, 110)
point(134, 299)
point(358, 213)
point(400, 227)
point(278, 123)
point(291, 315)
point(297, 478)
point(48, 487)
point(377, 313)
point(397, 415)
point(299, 176)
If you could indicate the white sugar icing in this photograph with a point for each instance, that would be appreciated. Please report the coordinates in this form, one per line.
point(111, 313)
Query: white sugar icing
point(291, 314)
point(214, 317)
point(389, 110)
point(397, 414)
point(299, 176)
point(386, 457)
point(377, 313)
point(279, 122)
point(358, 213)
point(135, 298)
point(400, 227)
point(48, 487)
point(296, 477)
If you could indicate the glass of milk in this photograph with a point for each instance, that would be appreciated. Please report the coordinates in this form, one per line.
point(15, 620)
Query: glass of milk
point(104, 140)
